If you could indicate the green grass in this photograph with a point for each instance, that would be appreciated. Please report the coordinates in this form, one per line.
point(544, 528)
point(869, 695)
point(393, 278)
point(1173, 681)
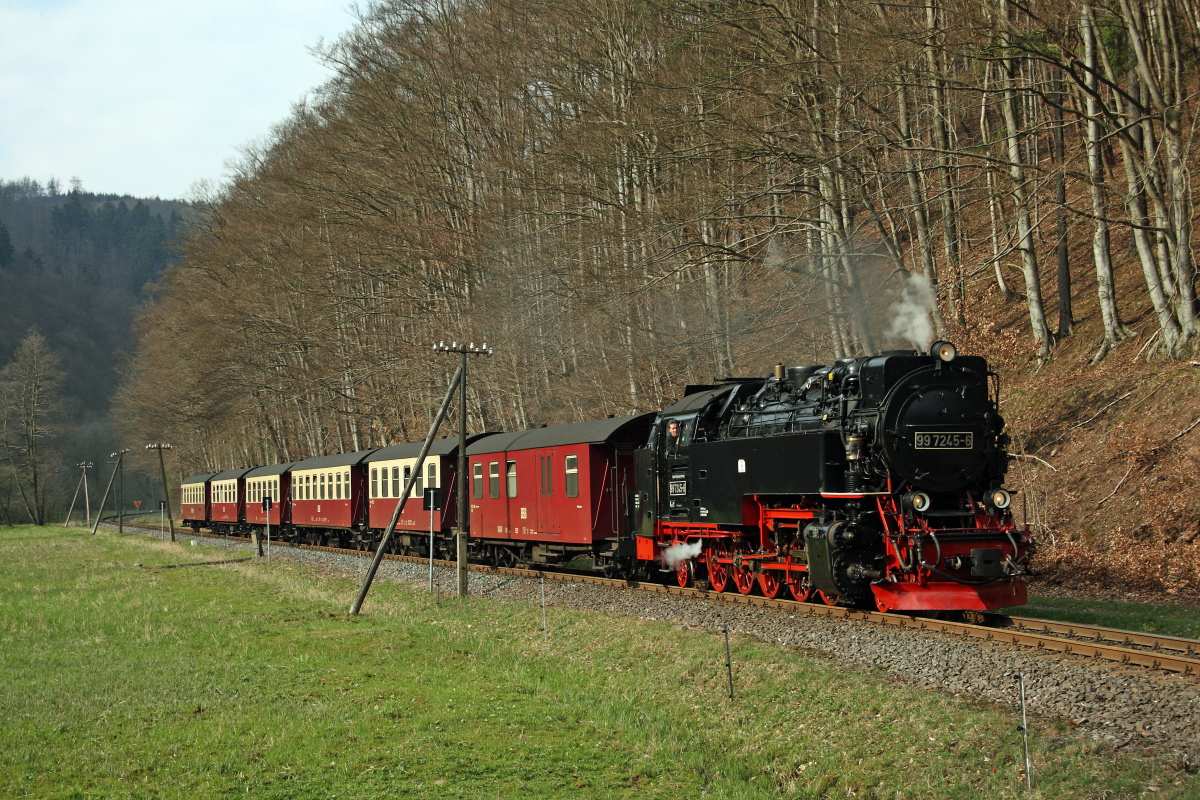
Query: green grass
point(250, 680)
point(1166, 620)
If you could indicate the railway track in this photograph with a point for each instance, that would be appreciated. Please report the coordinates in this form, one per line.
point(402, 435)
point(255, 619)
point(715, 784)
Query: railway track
point(1151, 651)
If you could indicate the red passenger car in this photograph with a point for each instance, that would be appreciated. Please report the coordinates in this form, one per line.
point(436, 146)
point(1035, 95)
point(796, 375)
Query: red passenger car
point(274, 482)
point(195, 497)
point(227, 512)
point(389, 468)
point(329, 499)
point(552, 495)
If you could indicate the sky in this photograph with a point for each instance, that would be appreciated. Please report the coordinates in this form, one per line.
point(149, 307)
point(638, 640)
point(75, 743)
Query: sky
point(152, 98)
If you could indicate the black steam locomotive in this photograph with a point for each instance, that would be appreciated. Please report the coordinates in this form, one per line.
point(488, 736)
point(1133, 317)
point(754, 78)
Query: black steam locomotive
point(869, 480)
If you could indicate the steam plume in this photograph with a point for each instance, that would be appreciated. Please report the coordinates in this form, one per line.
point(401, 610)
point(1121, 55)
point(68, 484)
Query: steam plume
point(911, 318)
point(680, 552)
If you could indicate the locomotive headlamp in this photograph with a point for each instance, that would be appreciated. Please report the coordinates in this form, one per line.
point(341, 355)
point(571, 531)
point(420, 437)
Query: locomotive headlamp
point(918, 501)
point(944, 351)
point(999, 498)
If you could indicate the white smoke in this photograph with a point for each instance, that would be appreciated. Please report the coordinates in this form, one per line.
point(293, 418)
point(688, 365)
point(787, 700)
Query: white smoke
point(911, 317)
point(774, 257)
point(680, 552)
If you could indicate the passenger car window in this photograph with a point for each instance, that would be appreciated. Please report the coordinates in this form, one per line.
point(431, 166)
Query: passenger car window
point(571, 468)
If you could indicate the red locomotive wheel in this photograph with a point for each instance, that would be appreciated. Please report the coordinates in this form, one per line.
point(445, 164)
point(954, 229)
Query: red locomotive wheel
point(684, 573)
point(718, 574)
point(800, 588)
point(828, 599)
point(770, 584)
point(744, 579)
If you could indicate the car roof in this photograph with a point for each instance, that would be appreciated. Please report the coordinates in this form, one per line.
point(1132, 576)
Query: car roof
point(335, 460)
point(591, 432)
point(447, 445)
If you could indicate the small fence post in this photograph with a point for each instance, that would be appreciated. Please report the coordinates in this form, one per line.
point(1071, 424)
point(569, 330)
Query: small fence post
point(728, 662)
point(545, 630)
point(1025, 734)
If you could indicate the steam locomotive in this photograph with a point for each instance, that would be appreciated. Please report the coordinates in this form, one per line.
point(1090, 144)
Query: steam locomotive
point(870, 481)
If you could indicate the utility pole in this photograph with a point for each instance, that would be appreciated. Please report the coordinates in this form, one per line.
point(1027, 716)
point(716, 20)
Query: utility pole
point(408, 487)
point(166, 492)
point(120, 455)
point(87, 505)
point(107, 489)
point(464, 526)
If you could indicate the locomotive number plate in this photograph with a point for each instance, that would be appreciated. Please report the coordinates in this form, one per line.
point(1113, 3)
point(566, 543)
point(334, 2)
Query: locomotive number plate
point(960, 440)
point(678, 488)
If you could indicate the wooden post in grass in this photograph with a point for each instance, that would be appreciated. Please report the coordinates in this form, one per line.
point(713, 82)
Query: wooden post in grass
point(728, 662)
point(408, 485)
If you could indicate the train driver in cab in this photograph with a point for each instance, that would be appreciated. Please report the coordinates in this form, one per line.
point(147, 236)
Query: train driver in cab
point(673, 437)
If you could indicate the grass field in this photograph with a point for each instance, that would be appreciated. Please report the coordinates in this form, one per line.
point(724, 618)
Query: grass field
point(1165, 620)
point(250, 680)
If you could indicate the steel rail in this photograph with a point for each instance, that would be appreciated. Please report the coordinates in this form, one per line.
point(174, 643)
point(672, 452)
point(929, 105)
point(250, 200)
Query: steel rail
point(1166, 653)
point(1117, 636)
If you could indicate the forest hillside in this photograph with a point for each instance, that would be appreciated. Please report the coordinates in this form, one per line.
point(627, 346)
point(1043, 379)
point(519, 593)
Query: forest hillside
point(624, 197)
point(74, 268)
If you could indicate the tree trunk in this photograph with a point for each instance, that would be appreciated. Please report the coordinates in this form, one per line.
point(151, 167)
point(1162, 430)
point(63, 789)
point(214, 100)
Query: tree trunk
point(1114, 330)
point(1016, 172)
